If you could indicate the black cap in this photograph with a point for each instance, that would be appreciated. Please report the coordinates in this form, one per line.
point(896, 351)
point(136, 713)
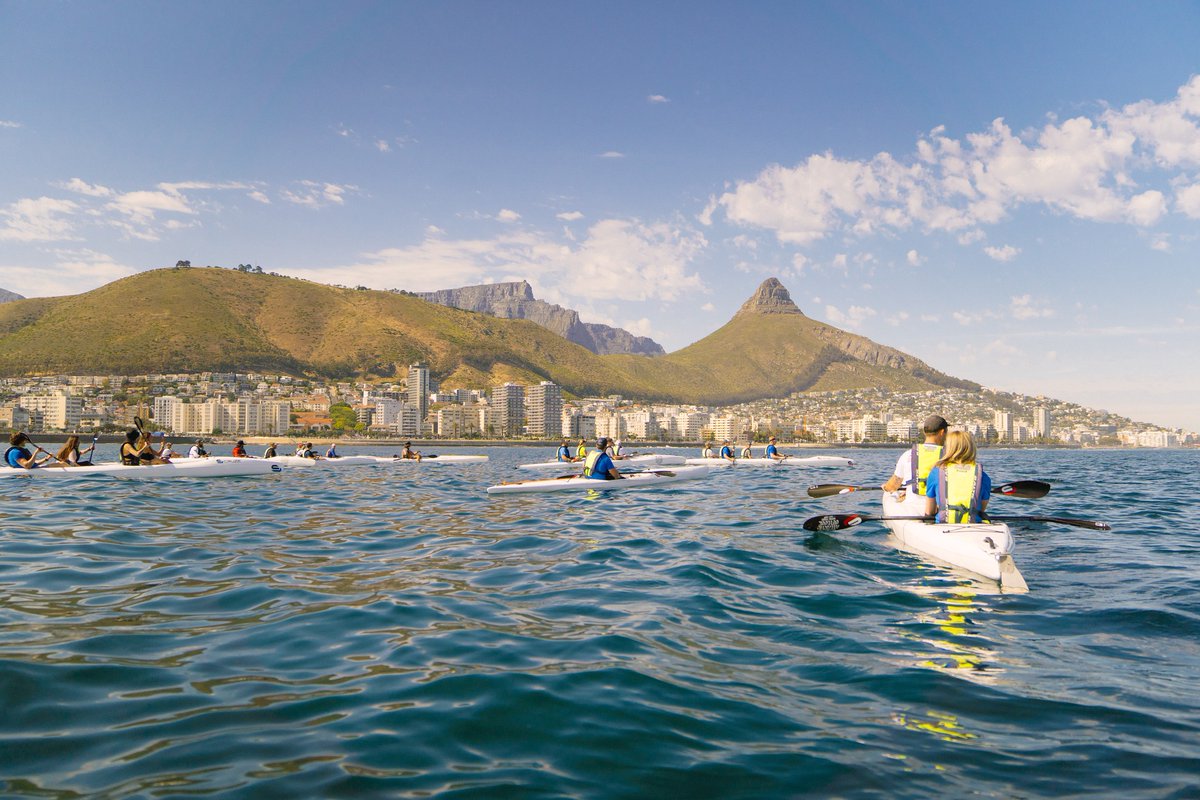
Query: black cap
point(603, 440)
point(934, 423)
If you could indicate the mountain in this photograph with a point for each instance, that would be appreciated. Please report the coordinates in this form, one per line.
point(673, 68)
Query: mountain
point(771, 349)
point(191, 320)
point(516, 301)
point(7, 296)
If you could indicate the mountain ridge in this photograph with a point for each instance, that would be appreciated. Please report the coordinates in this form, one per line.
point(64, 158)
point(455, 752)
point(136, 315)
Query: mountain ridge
point(515, 300)
point(197, 319)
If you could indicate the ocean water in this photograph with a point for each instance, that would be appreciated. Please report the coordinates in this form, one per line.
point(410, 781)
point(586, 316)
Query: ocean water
point(393, 631)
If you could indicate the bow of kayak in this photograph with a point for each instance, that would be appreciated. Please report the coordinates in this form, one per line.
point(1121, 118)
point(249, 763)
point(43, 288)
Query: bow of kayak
point(771, 463)
point(183, 468)
point(643, 460)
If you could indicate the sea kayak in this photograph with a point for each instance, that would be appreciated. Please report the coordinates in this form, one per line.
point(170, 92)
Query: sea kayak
point(650, 479)
point(982, 548)
point(340, 461)
point(431, 458)
point(771, 463)
point(643, 460)
point(183, 468)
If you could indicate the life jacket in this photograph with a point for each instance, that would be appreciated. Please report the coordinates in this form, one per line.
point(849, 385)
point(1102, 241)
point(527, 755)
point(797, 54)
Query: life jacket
point(726, 452)
point(771, 451)
point(924, 458)
point(959, 487)
point(13, 455)
point(708, 453)
point(239, 452)
point(269, 453)
point(581, 451)
point(130, 458)
point(589, 465)
point(564, 453)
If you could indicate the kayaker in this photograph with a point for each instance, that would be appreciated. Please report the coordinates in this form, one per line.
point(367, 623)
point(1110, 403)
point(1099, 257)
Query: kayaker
point(408, 452)
point(305, 450)
point(19, 456)
point(332, 451)
point(707, 452)
point(197, 450)
point(727, 451)
point(599, 465)
point(564, 452)
point(136, 450)
point(270, 451)
point(747, 452)
point(957, 488)
point(581, 451)
point(773, 451)
point(616, 449)
point(239, 449)
point(71, 455)
point(166, 453)
point(912, 468)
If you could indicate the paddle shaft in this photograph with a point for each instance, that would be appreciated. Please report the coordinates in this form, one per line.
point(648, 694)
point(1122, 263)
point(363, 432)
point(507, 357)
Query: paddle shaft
point(1024, 489)
point(843, 521)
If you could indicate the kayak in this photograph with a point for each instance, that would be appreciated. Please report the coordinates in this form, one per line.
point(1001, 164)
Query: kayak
point(646, 459)
point(182, 468)
point(650, 479)
point(432, 458)
point(340, 461)
point(789, 461)
point(982, 548)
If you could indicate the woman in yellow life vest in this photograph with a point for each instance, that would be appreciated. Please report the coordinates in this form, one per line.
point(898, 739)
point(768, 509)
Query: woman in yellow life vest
point(957, 488)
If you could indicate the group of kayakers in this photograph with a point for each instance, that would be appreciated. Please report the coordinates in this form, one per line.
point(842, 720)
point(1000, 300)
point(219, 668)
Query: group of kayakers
point(726, 451)
point(943, 473)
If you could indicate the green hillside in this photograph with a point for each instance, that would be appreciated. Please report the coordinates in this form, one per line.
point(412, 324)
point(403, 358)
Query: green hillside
point(198, 319)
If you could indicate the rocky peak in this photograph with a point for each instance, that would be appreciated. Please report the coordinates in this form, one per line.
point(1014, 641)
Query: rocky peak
point(770, 298)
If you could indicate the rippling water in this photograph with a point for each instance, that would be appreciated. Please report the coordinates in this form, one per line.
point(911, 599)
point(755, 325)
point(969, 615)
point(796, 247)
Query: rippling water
point(393, 631)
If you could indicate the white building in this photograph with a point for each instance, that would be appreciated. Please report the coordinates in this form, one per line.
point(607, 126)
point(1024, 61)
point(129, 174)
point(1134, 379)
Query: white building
point(418, 389)
point(60, 411)
point(543, 410)
point(508, 409)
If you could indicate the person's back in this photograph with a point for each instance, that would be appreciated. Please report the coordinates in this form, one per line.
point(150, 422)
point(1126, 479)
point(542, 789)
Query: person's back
point(270, 451)
point(598, 465)
point(726, 451)
point(914, 465)
point(18, 456)
point(332, 451)
point(564, 452)
point(957, 487)
point(707, 452)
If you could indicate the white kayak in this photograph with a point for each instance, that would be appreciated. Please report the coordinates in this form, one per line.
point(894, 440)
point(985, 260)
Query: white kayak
point(650, 479)
point(643, 460)
point(431, 458)
point(340, 461)
point(182, 468)
point(982, 548)
point(771, 463)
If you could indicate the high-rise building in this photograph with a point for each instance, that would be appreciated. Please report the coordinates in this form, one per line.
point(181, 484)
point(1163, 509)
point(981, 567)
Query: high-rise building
point(543, 410)
point(508, 409)
point(1004, 426)
point(60, 411)
point(1041, 421)
point(418, 389)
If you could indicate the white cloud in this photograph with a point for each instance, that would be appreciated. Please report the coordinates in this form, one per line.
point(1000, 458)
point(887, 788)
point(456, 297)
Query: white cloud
point(1161, 243)
point(840, 261)
point(611, 154)
point(44, 219)
point(1000, 352)
point(914, 258)
point(616, 260)
point(1006, 253)
point(83, 187)
point(5, 123)
point(507, 215)
point(658, 98)
point(1187, 200)
point(1023, 307)
point(898, 318)
point(1086, 167)
point(570, 216)
point(853, 317)
point(639, 327)
point(71, 272)
point(314, 195)
point(708, 307)
point(259, 197)
point(383, 146)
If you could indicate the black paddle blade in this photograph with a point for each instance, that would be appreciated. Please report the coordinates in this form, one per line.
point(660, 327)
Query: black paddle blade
point(830, 489)
point(1089, 524)
point(832, 522)
point(1027, 489)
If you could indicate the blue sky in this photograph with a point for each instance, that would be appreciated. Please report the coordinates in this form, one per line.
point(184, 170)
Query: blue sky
point(1011, 192)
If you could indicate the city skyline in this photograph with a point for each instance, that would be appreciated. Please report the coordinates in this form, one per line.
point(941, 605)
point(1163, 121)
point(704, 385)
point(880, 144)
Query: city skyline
point(1010, 205)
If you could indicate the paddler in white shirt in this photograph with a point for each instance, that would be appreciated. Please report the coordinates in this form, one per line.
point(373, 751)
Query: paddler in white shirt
point(913, 467)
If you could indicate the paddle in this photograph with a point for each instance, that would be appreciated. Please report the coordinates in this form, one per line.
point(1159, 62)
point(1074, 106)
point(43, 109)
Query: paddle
point(1026, 489)
point(841, 522)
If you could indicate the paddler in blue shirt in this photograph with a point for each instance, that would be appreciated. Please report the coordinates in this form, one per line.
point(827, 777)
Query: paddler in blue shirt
point(773, 451)
point(958, 489)
point(727, 452)
point(599, 465)
point(19, 456)
point(564, 452)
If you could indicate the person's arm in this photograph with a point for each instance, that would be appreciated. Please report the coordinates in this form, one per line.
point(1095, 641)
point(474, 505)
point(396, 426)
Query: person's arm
point(893, 483)
point(931, 501)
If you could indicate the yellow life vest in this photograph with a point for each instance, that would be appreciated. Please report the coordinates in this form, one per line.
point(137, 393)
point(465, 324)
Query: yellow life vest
point(580, 451)
point(959, 486)
point(589, 465)
point(924, 458)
